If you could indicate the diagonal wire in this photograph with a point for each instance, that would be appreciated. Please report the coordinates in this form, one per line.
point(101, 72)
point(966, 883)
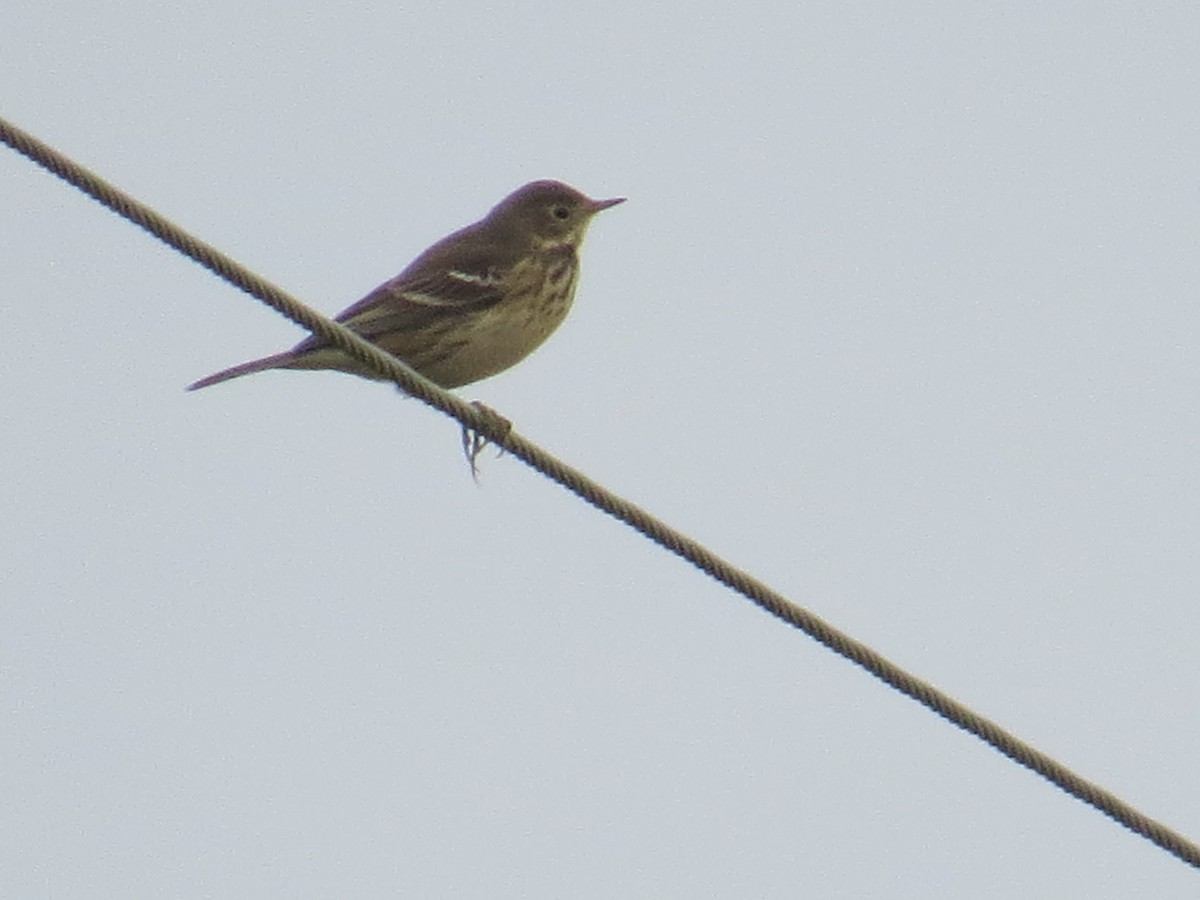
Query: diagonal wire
point(498, 432)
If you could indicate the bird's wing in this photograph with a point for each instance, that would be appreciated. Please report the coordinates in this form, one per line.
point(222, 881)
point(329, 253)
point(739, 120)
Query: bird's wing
point(406, 303)
point(430, 289)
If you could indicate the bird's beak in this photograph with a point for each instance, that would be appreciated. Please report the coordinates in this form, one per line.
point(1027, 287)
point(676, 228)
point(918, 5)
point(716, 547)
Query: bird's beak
point(598, 205)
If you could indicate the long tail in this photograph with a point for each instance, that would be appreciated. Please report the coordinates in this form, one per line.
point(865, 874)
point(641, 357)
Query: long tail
point(278, 361)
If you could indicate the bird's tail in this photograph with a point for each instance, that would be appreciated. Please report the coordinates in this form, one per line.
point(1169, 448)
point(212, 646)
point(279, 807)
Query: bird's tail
point(278, 361)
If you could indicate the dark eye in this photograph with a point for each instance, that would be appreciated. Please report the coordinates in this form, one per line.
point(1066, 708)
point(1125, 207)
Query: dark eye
point(560, 212)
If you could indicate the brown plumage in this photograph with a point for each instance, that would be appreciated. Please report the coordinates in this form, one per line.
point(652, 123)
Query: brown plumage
point(472, 305)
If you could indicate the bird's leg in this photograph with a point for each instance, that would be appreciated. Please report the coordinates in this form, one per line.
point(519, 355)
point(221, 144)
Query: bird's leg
point(494, 431)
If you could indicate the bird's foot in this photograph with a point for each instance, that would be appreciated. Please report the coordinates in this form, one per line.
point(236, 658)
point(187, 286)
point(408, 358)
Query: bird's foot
point(495, 430)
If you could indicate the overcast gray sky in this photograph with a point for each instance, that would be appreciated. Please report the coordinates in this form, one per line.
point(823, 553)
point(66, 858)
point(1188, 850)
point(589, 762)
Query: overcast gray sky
point(901, 316)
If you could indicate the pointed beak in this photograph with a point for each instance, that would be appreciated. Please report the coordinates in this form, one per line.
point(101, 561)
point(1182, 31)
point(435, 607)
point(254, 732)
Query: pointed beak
point(598, 205)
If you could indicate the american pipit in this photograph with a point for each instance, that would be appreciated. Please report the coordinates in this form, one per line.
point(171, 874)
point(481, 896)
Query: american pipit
point(473, 304)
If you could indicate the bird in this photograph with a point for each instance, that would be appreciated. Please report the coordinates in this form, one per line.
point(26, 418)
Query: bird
point(474, 304)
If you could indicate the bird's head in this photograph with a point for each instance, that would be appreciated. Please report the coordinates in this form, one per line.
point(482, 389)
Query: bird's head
point(549, 212)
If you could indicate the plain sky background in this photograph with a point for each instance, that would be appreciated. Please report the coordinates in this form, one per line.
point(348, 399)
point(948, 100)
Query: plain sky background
point(901, 316)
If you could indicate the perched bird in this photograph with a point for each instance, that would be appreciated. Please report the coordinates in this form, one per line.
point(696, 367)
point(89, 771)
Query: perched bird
point(473, 304)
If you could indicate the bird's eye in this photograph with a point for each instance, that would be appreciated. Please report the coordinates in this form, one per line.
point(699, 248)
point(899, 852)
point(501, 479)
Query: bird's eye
point(560, 212)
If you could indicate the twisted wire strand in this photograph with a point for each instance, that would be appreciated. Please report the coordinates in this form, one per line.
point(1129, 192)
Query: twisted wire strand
point(497, 431)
